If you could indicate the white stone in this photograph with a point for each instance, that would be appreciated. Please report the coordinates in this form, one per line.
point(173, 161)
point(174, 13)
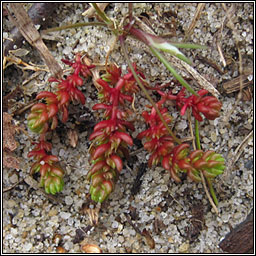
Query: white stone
point(65, 215)
point(27, 247)
point(68, 200)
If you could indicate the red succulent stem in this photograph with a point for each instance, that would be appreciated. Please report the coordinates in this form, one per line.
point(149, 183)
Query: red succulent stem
point(44, 113)
point(110, 137)
point(158, 142)
point(209, 106)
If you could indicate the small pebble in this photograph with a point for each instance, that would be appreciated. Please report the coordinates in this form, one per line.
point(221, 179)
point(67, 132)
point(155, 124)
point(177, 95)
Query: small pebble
point(213, 136)
point(68, 200)
point(14, 178)
point(184, 248)
point(65, 215)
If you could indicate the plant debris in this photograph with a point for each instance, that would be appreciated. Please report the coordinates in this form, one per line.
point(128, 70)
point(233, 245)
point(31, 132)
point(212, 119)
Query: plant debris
point(9, 142)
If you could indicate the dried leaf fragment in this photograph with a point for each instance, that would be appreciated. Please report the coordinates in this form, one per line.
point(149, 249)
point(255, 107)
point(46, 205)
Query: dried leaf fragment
point(9, 160)
point(247, 94)
point(20, 52)
point(9, 142)
point(149, 239)
point(9, 128)
point(73, 137)
point(93, 215)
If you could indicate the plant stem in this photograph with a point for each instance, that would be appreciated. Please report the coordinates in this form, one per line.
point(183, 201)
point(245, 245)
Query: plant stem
point(198, 145)
point(76, 25)
point(172, 70)
point(145, 91)
point(102, 14)
point(189, 46)
point(130, 11)
point(209, 182)
point(208, 195)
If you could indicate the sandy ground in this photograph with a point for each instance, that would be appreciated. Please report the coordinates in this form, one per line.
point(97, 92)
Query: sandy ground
point(169, 212)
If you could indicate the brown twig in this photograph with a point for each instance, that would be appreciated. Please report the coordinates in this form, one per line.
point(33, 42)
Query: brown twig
point(208, 194)
point(210, 62)
point(235, 156)
point(130, 6)
point(132, 224)
point(13, 186)
point(39, 13)
point(235, 85)
point(24, 108)
point(24, 23)
point(91, 11)
point(235, 34)
point(196, 17)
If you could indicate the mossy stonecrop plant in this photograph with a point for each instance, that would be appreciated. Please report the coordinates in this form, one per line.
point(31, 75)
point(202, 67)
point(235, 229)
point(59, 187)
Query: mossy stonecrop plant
point(178, 159)
point(110, 139)
point(44, 117)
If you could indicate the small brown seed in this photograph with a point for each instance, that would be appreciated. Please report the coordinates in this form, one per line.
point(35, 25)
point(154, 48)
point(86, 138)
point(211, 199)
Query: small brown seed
point(60, 249)
point(91, 248)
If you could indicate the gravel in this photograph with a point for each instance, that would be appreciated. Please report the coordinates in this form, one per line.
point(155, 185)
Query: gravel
point(31, 221)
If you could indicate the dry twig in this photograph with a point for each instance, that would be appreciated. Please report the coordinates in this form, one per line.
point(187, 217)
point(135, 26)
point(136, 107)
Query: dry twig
point(208, 194)
point(91, 11)
point(39, 13)
point(28, 30)
point(196, 17)
point(235, 156)
point(13, 186)
point(200, 79)
point(235, 34)
point(235, 85)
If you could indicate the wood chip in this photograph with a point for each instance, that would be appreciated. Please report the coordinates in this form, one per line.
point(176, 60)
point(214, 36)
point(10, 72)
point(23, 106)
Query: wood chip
point(149, 239)
point(240, 239)
point(197, 221)
point(234, 84)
